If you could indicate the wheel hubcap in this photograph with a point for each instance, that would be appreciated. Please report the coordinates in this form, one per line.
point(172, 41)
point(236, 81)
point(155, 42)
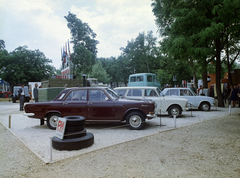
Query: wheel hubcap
point(135, 121)
point(174, 111)
point(205, 107)
point(53, 121)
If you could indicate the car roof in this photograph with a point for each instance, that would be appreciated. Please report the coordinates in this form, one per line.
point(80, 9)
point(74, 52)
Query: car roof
point(137, 87)
point(176, 88)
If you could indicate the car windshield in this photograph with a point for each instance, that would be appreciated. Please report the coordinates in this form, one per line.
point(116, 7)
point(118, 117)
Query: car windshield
point(112, 93)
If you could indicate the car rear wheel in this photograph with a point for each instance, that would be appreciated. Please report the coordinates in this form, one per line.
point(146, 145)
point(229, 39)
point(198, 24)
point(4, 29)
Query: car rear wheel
point(135, 120)
point(174, 110)
point(52, 120)
point(205, 106)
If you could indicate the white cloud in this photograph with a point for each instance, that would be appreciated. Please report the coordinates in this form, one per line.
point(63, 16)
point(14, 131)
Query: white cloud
point(40, 24)
point(116, 22)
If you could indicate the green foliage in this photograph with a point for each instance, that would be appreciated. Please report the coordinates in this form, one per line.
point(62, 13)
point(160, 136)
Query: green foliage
point(84, 44)
point(100, 73)
point(23, 66)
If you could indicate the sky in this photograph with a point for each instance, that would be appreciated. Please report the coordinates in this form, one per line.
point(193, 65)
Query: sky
point(40, 24)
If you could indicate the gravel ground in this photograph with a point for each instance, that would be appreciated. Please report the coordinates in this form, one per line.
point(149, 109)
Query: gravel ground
point(208, 148)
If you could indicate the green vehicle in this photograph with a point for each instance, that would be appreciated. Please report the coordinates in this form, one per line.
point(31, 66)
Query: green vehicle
point(144, 79)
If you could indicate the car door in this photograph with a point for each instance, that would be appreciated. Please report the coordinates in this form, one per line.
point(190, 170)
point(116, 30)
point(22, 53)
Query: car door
point(186, 93)
point(151, 93)
point(100, 107)
point(75, 103)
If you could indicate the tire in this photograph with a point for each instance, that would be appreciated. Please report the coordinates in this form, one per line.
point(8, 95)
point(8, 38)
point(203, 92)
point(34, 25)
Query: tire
point(75, 120)
point(14, 100)
point(174, 110)
point(205, 106)
point(135, 120)
point(73, 143)
point(74, 128)
point(52, 120)
point(81, 133)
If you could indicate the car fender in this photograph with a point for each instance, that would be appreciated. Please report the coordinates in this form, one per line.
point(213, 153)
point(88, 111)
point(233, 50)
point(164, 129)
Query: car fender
point(131, 110)
point(52, 111)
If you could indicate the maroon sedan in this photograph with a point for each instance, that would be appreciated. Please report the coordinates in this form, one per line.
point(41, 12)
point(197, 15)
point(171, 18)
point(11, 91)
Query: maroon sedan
point(96, 104)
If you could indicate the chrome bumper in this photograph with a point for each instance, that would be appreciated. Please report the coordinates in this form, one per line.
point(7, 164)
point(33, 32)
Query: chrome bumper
point(28, 114)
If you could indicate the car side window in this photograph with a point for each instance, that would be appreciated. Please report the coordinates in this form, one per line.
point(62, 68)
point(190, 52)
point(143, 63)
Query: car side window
point(77, 95)
point(121, 92)
point(139, 78)
point(150, 92)
point(172, 93)
point(97, 95)
point(149, 78)
point(134, 92)
point(133, 79)
point(185, 92)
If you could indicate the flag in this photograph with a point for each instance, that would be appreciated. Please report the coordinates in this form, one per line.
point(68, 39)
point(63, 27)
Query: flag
point(64, 56)
point(69, 51)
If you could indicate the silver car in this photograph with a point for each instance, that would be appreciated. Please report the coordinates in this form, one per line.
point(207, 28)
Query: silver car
point(172, 105)
point(195, 101)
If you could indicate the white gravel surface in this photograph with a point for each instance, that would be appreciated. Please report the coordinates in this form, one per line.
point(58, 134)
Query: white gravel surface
point(37, 138)
point(209, 148)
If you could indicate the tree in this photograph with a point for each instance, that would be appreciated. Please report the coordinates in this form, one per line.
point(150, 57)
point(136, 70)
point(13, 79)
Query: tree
point(84, 44)
point(139, 52)
point(197, 29)
point(23, 66)
point(100, 73)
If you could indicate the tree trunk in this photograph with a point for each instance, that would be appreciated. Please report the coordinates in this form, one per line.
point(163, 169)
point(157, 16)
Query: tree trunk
point(218, 74)
point(195, 80)
point(204, 79)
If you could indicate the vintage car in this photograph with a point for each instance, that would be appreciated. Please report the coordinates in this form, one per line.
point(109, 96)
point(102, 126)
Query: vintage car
point(195, 101)
point(96, 104)
point(172, 105)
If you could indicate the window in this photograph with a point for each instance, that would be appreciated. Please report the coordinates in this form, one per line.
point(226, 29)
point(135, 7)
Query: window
point(121, 92)
point(172, 93)
point(133, 79)
point(185, 93)
point(150, 92)
point(97, 95)
point(139, 78)
point(77, 95)
point(135, 92)
point(149, 78)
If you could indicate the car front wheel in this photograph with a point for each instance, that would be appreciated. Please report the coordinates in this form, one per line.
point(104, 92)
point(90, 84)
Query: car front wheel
point(52, 120)
point(135, 120)
point(174, 110)
point(205, 106)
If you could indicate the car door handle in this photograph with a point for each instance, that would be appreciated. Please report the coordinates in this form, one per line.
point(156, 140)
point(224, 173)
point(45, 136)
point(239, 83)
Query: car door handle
point(89, 103)
point(64, 103)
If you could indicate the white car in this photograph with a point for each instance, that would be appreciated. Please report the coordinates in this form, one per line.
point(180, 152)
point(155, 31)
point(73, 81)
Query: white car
point(203, 103)
point(172, 105)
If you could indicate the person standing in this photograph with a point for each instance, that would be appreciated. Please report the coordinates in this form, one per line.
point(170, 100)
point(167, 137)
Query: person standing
point(35, 92)
point(193, 88)
point(21, 94)
point(200, 90)
point(233, 95)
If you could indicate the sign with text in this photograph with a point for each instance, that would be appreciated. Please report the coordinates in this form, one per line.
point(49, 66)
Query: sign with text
point(60, 130)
